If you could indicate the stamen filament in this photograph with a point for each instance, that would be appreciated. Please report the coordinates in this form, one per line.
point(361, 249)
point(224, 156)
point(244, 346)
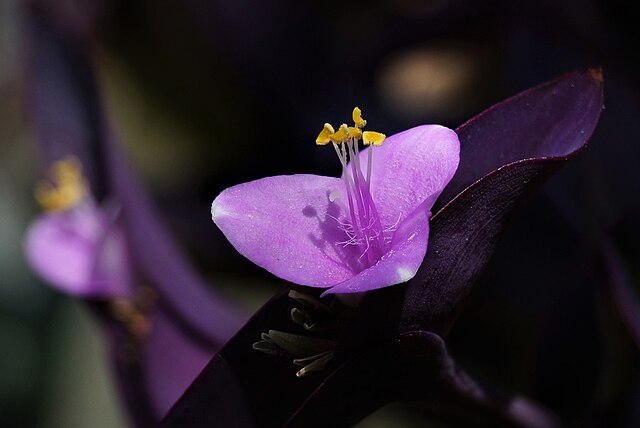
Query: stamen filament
point(365, 193)
point(357, 174)
point(361, 224)
point(363, 204)
point(369, 159)
point(349, 186)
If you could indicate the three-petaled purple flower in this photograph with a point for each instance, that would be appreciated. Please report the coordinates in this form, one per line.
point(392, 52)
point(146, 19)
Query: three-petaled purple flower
point(366, 230)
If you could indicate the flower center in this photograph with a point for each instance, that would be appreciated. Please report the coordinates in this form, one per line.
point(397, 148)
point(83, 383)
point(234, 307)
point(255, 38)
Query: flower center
point(361, 222)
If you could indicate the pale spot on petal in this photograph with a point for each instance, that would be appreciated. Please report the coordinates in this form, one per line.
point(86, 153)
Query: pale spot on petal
point(405, 274)
point(217, 210)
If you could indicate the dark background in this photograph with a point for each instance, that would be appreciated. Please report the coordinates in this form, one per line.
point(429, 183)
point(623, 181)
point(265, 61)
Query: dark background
point(206, 94)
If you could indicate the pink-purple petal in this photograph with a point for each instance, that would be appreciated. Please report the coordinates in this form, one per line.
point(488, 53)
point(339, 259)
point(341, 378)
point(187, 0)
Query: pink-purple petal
point(401, 262)
point(112, 265)
point(410, 167)
point(80, 253)
point(287, 225)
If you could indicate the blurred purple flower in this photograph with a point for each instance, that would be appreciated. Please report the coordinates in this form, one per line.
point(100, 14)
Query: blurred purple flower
point(77, 246)
point(80, 252)
point(355, 234)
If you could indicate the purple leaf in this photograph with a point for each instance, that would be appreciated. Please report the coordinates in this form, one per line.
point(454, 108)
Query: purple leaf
point(171, 360)
point(236, 387)
point(416, 366)
point(253, 389)
point(619, 284)
point(192, 303)
point(63, 97)
point(553, 120)
point(534, 133)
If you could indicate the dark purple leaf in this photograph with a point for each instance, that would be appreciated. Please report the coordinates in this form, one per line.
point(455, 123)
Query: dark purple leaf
point(619, 285)
point(243, 388)
point(126, 365)
point(171, 361)
point(191, 302)
point(416, 366)
point(533, 134)
point(237, 386)
point(553, 120)
point(63, 98)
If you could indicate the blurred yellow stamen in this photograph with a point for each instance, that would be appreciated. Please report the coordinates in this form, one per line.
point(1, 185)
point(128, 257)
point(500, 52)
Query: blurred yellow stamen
point(66, 188)
point(372, 137)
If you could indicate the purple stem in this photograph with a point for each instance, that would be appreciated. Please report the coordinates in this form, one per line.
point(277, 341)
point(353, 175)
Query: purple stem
point(193, 302)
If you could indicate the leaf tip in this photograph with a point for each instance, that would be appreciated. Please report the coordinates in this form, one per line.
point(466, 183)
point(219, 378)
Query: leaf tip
point(596, 74)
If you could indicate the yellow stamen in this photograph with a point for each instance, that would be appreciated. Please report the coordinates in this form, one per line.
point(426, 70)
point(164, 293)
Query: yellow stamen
point(341, 135)
point(323, 137)
point(66, 188)
point(357, 118)
point(354, 132)
point(372, 137)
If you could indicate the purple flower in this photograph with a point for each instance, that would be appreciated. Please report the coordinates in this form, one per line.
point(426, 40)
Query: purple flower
point(77, 246)
point(393, 346)
point(366, 230)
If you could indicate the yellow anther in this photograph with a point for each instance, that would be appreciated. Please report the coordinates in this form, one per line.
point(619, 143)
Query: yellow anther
point(324, 136)
point(66, 170)
point(341, 135)
point(357, 118)
point(355, 132)
point(372, 137)
point(66, 188)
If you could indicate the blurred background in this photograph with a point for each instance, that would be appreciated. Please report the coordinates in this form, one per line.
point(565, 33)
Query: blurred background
point(205, 94)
